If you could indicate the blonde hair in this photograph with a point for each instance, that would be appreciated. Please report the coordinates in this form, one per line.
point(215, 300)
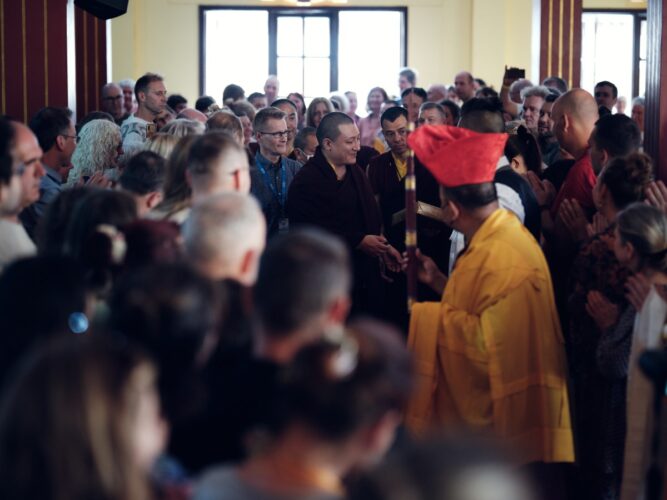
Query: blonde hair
point(645, 228)
point(96, 150)
point(162, 144)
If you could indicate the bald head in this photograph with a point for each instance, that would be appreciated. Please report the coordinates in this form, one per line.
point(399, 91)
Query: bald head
point(574, 115)
point(224, 237)
point(192, 114)
point(436, 92)
point(29, 154)
point(464, 86)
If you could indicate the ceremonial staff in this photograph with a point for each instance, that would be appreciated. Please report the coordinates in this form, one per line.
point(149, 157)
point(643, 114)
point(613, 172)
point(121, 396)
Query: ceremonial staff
point(411, 225)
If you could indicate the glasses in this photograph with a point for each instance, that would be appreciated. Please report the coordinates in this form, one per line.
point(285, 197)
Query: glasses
point(111, 98)
point(75, 137)
point(275, 135)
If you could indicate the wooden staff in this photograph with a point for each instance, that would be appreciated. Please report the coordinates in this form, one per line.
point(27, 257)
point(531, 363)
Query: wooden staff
point(411, 226)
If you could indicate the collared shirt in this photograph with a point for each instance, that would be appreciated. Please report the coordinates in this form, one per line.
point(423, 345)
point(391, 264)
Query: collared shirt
point(270, 197)
point(50, 186)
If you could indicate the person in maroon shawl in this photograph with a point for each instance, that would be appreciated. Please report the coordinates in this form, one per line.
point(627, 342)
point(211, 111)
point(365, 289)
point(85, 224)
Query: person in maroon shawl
point(332, 192)
point(387, 174)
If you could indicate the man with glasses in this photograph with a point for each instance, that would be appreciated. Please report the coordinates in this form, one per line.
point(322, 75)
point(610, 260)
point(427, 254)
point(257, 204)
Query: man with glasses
point(56, 135)
point(112, 102)
point(152, 100)
point(271, 179)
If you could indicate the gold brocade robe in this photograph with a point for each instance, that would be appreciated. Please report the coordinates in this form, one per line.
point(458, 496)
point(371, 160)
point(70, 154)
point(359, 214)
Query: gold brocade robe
point(490, 356)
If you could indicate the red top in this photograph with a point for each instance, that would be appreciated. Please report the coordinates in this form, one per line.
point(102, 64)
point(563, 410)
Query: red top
point(578, 185)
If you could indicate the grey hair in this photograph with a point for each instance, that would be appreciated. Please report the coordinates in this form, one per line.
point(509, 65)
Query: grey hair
point(639, 101)
point(535, 91)
point(220, 228)
point(128, 82)
point(96, 150)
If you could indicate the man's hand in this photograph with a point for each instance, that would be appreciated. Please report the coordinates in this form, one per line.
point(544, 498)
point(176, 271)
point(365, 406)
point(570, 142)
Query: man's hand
point(393, 260)
point(545, 192)
point(374, 245)
point(603, 312)
point(637, 288)
point(574, 219)
point(428, 272)
point(656, 195)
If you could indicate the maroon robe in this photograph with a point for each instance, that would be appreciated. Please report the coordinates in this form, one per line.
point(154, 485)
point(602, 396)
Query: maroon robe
point(346, 208)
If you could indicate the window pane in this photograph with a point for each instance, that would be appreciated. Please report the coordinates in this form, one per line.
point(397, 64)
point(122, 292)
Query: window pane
point(290, 39)
point(316, 36)
point(606, 51)
point(369, 52)
point(642, 39)
point(642, 78)
point(290, 74)
point(316, 77)
point(225, 31)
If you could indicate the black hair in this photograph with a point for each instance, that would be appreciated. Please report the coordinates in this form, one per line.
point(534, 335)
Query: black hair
point(393, 113)
point(605, 83)
point(6, 145)
point(617, 134)
point(472, 196)
point(483, 115)
point(170, 311)
point(143, 83)
point(454, 109)
point(203, 103)
point(480, 82)
point(299, 275)
point(94, 115)
point(337, 385)
point(524, 143)
point(556, 81)
point(52, 226)
point(418, 91)
point(48, 123)
point(144, 173)
point(626, 178)
point(278, 102)
point(232, 92)
point(175, 99)
point(41, 298)
point(329, 126)
point(300, 141)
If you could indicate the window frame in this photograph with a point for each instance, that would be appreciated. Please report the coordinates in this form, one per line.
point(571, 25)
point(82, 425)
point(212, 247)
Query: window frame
point(638, 15)
point(275, 12)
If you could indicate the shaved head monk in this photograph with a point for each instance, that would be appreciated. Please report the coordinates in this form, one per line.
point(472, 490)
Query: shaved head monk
point(574, 115)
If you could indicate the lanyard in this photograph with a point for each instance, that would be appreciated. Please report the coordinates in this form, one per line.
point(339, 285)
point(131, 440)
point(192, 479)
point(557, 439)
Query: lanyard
point(283, 192)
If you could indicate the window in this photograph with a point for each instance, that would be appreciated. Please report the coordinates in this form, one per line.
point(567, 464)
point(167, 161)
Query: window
point(613, 48)
point(312, 51)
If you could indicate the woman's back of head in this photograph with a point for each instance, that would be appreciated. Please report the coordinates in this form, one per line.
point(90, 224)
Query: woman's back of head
point(626, 178)
point(41, 297)
point(67, 424)
point(348, 380)
point(645, 228)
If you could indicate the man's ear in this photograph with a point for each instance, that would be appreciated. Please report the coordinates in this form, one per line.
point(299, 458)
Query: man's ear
point(326, 144)
point(60, 142)
point(605, 156)
point(141, 96)
point(153, 199)
point(454, 210)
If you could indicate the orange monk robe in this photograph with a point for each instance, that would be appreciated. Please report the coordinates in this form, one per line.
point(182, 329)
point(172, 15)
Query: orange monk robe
point(490, 356)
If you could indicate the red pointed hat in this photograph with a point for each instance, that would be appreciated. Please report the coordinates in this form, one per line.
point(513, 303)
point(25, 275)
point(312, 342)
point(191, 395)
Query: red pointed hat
point(457, 156)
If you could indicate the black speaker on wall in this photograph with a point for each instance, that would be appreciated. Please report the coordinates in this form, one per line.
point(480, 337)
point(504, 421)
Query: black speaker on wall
point(104, 9)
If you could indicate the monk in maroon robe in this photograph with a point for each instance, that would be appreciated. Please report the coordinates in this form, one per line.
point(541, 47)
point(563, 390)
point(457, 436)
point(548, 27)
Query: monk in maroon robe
point(332, 192)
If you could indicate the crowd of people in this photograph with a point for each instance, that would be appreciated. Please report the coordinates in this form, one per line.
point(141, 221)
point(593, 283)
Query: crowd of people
point(210, 302)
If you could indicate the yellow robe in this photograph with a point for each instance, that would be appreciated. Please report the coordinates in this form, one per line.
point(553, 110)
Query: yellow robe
point(490, 357)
